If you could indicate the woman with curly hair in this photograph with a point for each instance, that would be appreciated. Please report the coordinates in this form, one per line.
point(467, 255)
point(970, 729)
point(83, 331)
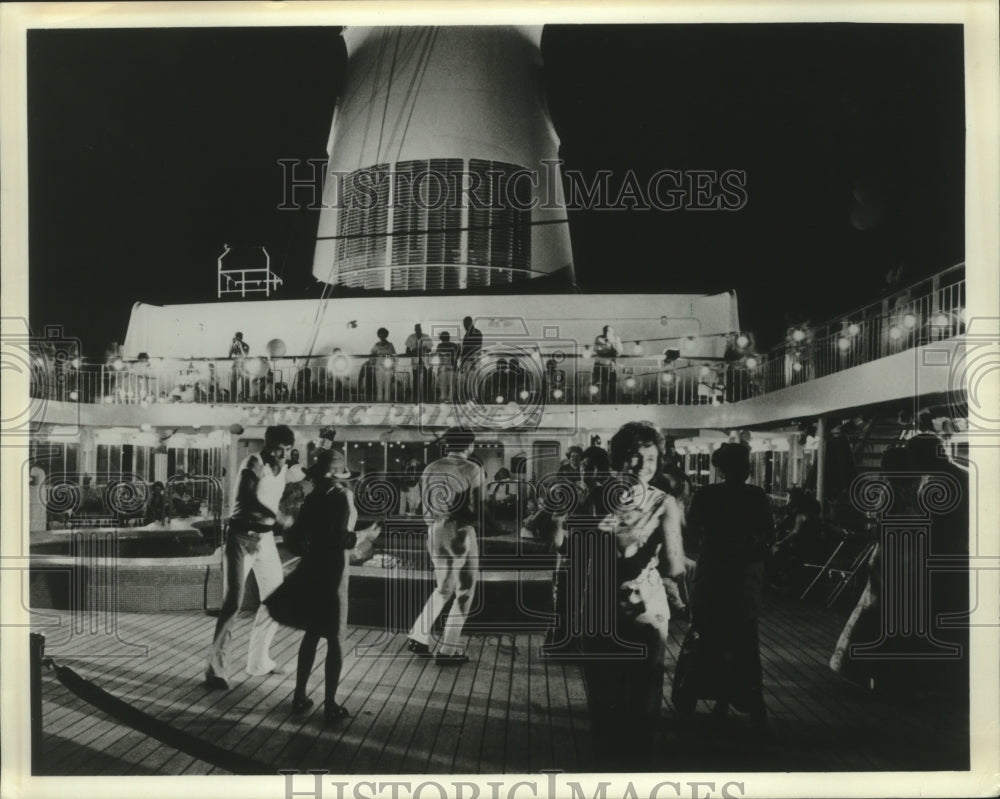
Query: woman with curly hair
point(720, 657)
point(625, 648)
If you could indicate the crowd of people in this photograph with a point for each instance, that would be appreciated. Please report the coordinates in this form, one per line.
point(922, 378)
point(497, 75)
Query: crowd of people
point(440, 370)
point(621, 544)
point(633, 548)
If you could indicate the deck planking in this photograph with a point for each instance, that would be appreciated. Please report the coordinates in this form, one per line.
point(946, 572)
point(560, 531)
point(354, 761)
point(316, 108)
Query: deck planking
point(507, 711)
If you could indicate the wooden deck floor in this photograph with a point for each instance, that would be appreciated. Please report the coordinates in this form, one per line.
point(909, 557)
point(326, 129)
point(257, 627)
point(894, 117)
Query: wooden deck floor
point(507, 711)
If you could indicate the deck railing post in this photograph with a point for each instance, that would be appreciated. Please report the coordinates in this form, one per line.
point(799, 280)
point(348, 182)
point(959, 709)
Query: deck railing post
point(36, 645)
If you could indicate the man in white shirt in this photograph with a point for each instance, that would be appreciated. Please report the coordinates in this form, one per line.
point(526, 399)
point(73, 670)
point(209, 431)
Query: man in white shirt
point(607, 347)
point(451, 488)
point(249, 545)
point(418, 348)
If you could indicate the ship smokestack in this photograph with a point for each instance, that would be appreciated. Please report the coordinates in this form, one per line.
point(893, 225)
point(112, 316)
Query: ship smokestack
point(442, 163)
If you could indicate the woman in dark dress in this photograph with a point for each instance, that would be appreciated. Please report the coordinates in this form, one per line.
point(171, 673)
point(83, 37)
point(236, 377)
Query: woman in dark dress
point(309, 599)
point(720, 657)
point(625, 605)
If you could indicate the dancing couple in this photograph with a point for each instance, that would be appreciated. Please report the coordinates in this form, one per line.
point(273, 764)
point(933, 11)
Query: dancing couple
point(314, 596)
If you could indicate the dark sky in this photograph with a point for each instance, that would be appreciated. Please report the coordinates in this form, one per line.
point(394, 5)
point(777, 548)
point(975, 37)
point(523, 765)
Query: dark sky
point(150, 149)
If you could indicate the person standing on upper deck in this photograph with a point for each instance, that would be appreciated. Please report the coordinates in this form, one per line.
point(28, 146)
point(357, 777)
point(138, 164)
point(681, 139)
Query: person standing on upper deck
point(607, 347)
point(418, 347)
point(384, 359)
point(472, 344)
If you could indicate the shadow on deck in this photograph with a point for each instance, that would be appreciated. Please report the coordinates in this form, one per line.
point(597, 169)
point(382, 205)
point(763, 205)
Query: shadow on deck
point(507, 711)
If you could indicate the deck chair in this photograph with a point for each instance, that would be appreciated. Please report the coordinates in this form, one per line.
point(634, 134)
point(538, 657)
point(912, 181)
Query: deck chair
point(843, 565)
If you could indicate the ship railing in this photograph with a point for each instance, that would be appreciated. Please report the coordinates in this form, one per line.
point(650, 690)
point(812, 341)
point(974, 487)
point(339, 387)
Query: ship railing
point(928, 311)
point(357, 379)
point(932, 310)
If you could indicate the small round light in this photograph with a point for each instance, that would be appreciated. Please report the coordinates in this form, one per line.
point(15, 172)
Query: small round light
point(630, 382)
point(909, 321)
point(843, 343)
point(338, 363)
point(667, 378)
point(704, 371)
point(751, 363)
point(108, 400)
point(853, 329)
point(435, 360)
point(73, 395)
point(941, 320)
point(499, 400)
point(593, 390)
point(524, 395)
point(797, 366)
point(387, 363)
point(557, 393)
point(742, 340)
point(895, 332)
point(798, 334)
point(118, 364)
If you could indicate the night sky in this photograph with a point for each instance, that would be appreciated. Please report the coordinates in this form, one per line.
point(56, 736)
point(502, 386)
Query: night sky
point(150, 149)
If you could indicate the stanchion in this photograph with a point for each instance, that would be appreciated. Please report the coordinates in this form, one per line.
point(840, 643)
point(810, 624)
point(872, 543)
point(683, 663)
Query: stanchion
point(36, 644)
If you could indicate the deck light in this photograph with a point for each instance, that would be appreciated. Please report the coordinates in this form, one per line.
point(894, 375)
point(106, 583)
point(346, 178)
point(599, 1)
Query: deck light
point(630, 382)
point(909, 321)
point(751, 362)
point(593, 389)
point(853, 329)
point(557, 393)
point(338, 363)
point(843, 343)
point(895, 332)
point(798, 334)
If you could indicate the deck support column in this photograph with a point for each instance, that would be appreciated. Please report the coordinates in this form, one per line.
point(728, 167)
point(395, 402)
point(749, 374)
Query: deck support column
point(821, 465)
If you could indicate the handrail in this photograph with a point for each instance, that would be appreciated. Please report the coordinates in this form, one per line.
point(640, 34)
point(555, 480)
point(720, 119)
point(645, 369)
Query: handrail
point(902, 322)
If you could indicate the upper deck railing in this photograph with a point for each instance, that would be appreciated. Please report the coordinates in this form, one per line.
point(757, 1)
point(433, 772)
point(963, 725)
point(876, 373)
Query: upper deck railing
point(931, 310)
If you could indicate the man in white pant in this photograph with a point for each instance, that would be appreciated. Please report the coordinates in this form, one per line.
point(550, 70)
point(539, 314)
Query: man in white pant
point(451, 490)
point(250, 545)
